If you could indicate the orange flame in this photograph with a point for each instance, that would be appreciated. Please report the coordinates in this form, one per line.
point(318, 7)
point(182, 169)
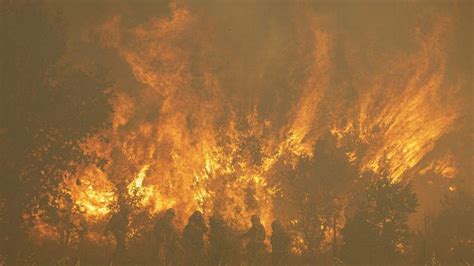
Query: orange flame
point(189, 147)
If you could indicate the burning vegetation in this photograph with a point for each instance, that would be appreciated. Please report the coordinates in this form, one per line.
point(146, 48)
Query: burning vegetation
point(352, 133)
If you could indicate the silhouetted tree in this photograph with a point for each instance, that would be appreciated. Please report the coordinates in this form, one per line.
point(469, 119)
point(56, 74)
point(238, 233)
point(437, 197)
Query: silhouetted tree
point(318, 185)
point(378, 232)
point(452, 230)
point(120, 170)
point(47, 110)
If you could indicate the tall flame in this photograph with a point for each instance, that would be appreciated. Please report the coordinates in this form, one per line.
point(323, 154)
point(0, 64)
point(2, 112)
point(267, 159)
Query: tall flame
point(192, 142)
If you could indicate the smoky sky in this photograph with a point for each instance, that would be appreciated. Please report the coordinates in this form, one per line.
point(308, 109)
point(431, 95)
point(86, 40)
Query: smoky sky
point(255, 41)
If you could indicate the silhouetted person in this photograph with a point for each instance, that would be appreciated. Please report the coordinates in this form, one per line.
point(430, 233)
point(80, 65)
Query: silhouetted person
point(256, 236)
point(221, 244)
point(167, 238)
point(117, 225)
point(193, 239)
point(280, 244)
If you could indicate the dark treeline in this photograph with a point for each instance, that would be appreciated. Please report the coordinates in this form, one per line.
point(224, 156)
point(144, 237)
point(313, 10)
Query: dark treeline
point(48, 108)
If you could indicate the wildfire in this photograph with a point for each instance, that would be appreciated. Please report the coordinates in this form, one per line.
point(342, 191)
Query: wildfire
point(190, 145)
point(93, 194)
point(402, 127)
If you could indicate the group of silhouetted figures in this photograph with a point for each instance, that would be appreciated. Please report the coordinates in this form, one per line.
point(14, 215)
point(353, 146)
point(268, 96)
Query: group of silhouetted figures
point(189, 248)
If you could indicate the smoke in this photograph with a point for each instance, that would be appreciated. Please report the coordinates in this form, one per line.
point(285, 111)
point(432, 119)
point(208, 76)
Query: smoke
point(209, 98)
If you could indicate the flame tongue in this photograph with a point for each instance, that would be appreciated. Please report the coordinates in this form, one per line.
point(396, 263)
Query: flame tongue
point(402, 111)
